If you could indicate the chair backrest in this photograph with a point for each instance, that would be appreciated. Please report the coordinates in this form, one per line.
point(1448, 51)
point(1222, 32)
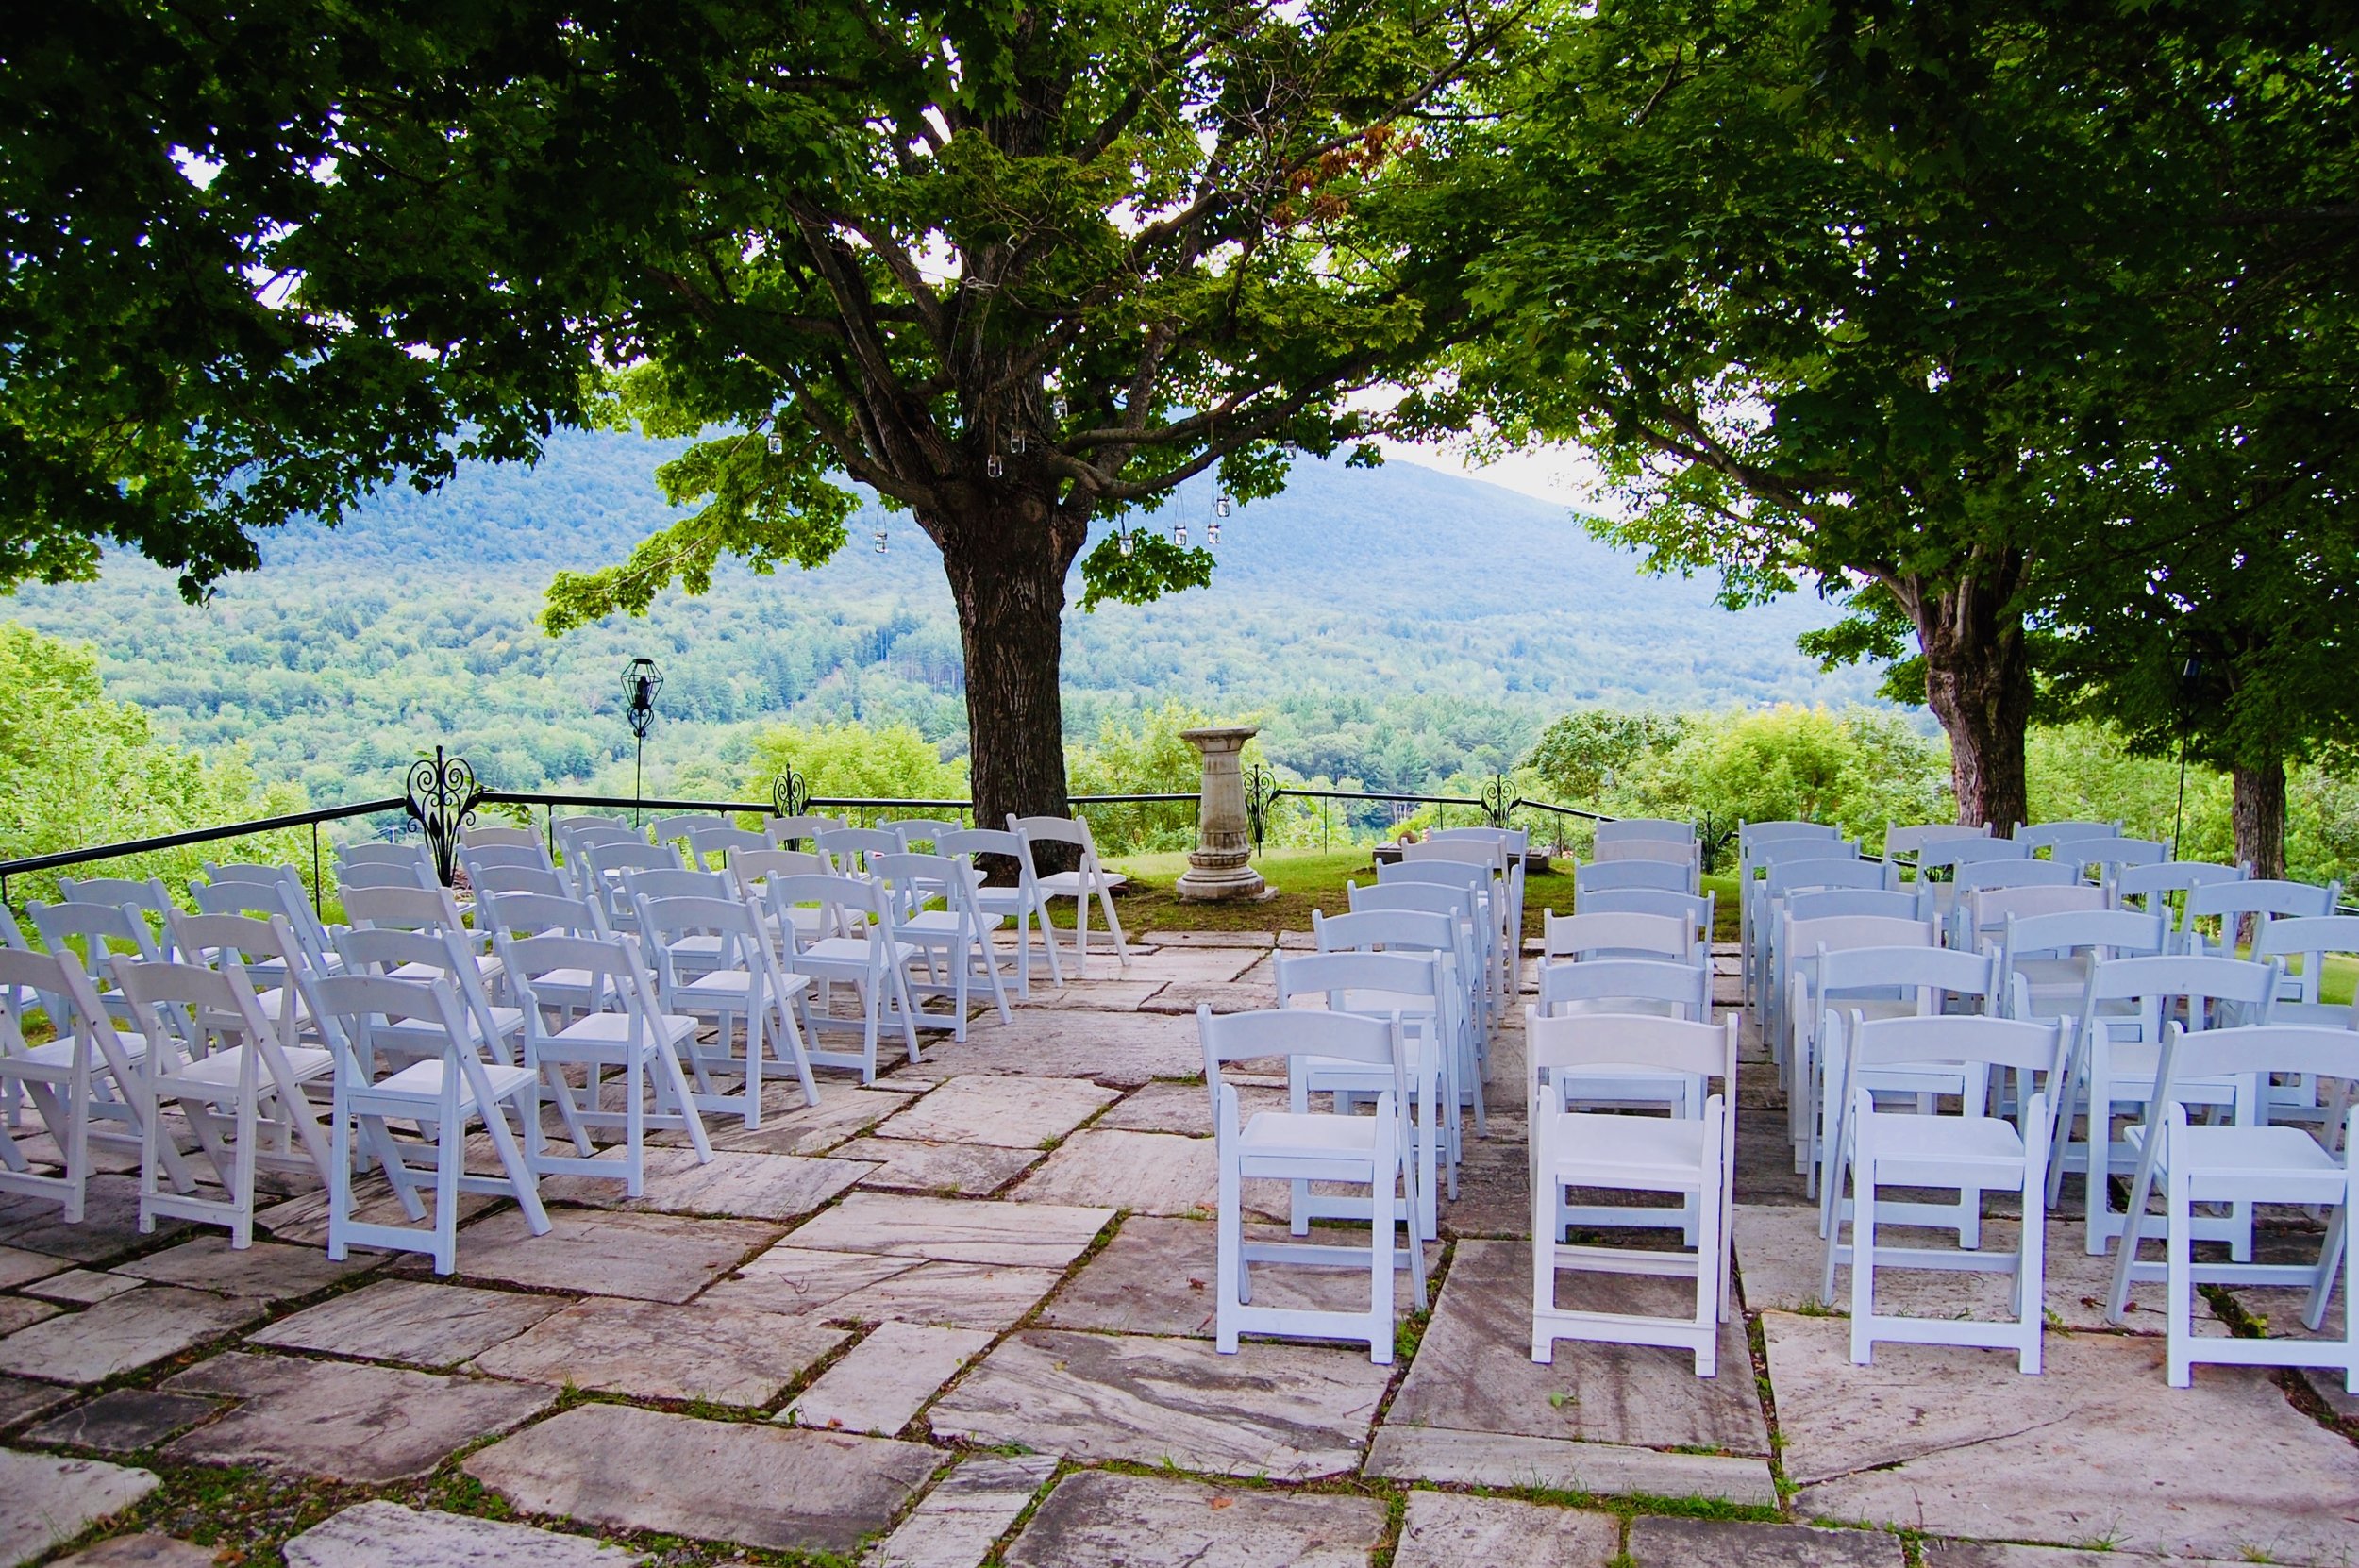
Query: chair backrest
point(716, 846)
point(1694, 907)
point(672, 882)
point(603, 969)
point(162, 998)
point(518, 914)
point(2204, 984)
point(1516, 841)
point(2039, 835)
point(1644, 828)
point(1678, 852)
point(849, 848)
point(1990, 908)
point(2262, 897)
point(1614, 876)
point(1381, 930)
point(488, 837)
point(744, 942)
point(108, 932)
point(1626, 936)
point(786, 832)
point(1449, 873)
point(549, 880)
point(381, 951)
point(2103, 933)
point(234, 939)
point(685, 825)
point(565, 828)
point(66, 996)
point(927, 830)
point(1073, 830)
point(1968, 1041)
point(350, 1008)
point(1335, 977)
point(845, 904)
point(1467, 851)
point(2016, 873)
point(1826, 846)
point(1787, 876)
point(754, 867)
point(404, 909)
point(1643, 981)
point(1968, 852)
point(607, 862)
point(1281, 1032)
point(1932, 974)
point(2257, 1052)
point(529, 855)
point(1579, 1042)
point(249, 871)
point(2171, 877)
point(384, 873)
point(1908, 840)
point(576, 835)
point(282, 897)
point(1821, 903)
point(1431, 897)
point(382, 854)
point(915, 878)
point(2309, 937)
point(2109, 854)
point(147, 894)
point(1835, 933)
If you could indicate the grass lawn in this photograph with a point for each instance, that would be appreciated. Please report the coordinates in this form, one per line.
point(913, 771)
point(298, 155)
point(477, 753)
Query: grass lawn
point(1307, 879)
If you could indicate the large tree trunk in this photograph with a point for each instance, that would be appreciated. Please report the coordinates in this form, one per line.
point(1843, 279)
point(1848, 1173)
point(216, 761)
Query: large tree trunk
point(1007, 570)
point(2258, 812)
point(1977, 681)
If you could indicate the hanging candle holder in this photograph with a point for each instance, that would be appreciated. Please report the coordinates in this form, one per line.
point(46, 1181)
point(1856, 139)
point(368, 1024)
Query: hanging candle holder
point(1057, 408)
point(1221, 505)
point(881, 535)
point(1016, 443)
point(1123, 539)
point(1211, 532)
point(992, 466)
point(777, 444)
point(1179, 535)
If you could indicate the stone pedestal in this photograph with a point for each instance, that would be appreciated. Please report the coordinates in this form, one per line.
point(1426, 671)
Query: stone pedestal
point(1219, 868)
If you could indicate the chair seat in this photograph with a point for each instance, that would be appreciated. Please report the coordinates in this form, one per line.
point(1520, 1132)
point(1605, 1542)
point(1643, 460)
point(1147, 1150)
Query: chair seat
point(944, 924)
point(56, 1054)
point(1588, 1007)
point(2232, 1150)
point(423, 1080)
point(1940, 1140)
point(218, 1073)
point(486, 964)
point(1279, 1134)
point(2050, 973)
point(1068, 884)
point(1632, 1146)
point(611, 1032)
point(2316, 1015)
point(853, 951)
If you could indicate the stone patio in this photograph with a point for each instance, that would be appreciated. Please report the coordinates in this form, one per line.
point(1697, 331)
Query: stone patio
point(965, 1315)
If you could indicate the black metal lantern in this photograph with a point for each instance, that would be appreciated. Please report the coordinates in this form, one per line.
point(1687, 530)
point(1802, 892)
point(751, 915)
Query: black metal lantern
point(642, 681)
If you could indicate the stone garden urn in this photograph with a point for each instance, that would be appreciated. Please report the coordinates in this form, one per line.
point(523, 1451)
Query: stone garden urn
point(1219, 867)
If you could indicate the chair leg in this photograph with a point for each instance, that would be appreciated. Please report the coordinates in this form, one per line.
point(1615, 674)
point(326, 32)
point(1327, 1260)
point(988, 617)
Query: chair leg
point(2179, 1301)
point(338, 1182)
point(450, 1159)
point(1380, 1263)
point(1863, 1257)
point(1230, 1269)
point(2031, 1275)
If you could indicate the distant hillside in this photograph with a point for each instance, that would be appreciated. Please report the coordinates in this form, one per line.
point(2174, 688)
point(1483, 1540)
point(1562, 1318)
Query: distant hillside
point(1391, 624)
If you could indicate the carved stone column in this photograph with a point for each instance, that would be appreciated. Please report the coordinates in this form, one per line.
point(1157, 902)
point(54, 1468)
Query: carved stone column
point(1219, 868)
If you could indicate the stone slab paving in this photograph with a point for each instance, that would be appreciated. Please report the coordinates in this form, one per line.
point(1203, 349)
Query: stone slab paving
point(1282, 1411)
point(956, 1231)
point(18, 1311)
point(1121, 1050)
point(1092, 995)
point(654, 1350)
point(140, 1551)
point(386, 1535)
point(755, 1483)
point(789, 1126)
point(962, 1170)
point(125, 1420)
point(1182, 997)
point(1446, 1529)
point(1983, 1554)
point(124, 1334)
point(1010, 1112)
point(732, 1184)
point(343, 1421)
point(887, 1378)
point(81, 1287)
point(1183, 1108)
point(411, 1321)
point(859, 1288)
point(646, 1256)
point(1956, 1442)
point(20, 1398)
point(1661, 1543)
point(1148, 1173)
point(1780, 1259)
point(267, 1270)
point(45, 1500)
point(302, 1220)
point(1096, 1519)
point(1156, 1277)
point(957, 1523)
point(110, 1227)
point(1474, 1372)
point(1606, 1469)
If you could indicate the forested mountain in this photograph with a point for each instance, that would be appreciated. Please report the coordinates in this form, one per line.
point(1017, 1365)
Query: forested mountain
point(1393, 625)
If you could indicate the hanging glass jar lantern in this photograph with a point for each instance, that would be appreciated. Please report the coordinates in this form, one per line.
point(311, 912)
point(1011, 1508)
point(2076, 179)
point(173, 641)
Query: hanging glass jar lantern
point(1057, 408)
point(1221, 504)
point(777, 444)
point(1016, 443)
point(1179, 535)
point(992, 466)
point(1123, 539)
point(1211, 532)
point(881, 535)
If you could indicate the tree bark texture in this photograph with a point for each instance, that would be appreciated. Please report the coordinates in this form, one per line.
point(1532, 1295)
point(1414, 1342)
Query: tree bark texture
point(1977, 681)
point(1007, 569)
point(2258, 812)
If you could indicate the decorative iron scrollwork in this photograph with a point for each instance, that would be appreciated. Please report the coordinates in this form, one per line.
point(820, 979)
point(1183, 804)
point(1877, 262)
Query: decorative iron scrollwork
point(442, 795)
point(1499, 799)
point(1261, 794)
point(790, 794)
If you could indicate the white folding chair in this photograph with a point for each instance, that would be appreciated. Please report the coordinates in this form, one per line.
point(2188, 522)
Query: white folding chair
point(276, 898)
point(210, 1050)
point(528, 913)
point(1577, 937)
point(959, 932)
point(2152, 890)
point(1974, 1152)
point(1298, 1147)
point(1614, 875)
point(2117, 1053)
point(2045, 958)
point(2038, 836)
point(1089, 879)
point(1795, 941)
point(84, 1083)
point(2243, 1164)
point(1912, 838)
point(1430, 934)
point(1391, 984)
point(2110, 855)
point(1980, 914)
point(851, 849)
point(432, 909)
point(110, 936)
point(1485, 901)
point(737, 982)
point(1906, 977)
point(478, 860)
point(1020, 903)
point(147, 894)
point(1940, 861)
point(425, 956)
point(444, 1092)
point(714, 848)
point(1787, 876)
point(683, 826)
point(1502, 892)
point(1693, 1158)
point(622, 1031)
point(874, 963)
point(2304, 943)
point(414, 859)
point(929, 831)
point(1757, 844)
point(606, 862)
point(2260, 901)
point(1695, 908)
